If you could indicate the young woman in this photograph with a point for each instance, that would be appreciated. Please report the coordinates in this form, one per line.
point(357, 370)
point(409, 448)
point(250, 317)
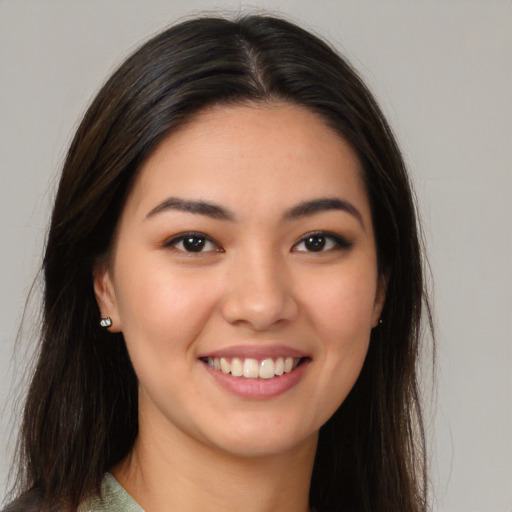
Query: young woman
point(233, 289)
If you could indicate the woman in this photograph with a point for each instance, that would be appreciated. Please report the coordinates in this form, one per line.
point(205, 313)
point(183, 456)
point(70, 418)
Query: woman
point(233, 289)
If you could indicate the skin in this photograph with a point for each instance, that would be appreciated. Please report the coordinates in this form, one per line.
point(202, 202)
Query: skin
point(257, 284)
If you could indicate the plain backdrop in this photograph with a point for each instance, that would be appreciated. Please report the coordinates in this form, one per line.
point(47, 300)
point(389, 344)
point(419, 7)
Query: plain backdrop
point(442, 71)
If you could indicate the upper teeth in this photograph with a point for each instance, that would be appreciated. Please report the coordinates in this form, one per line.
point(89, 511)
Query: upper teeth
point(252, 368)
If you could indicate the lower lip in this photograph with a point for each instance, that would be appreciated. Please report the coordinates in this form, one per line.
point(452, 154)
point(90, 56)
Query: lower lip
point(258, 388)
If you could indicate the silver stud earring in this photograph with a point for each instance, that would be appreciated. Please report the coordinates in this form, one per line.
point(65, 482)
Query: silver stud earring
point(106, 322)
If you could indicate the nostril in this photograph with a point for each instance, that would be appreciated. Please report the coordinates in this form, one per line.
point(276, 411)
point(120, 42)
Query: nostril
point(259, 309)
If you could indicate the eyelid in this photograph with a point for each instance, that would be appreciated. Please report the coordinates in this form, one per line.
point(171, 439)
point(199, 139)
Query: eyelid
point(340, 241)
point(172, 242)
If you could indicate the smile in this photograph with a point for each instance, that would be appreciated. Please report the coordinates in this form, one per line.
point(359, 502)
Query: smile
point(250, 368)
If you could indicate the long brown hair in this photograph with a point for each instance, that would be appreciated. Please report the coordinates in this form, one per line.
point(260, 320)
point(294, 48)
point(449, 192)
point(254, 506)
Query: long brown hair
point(81, 415)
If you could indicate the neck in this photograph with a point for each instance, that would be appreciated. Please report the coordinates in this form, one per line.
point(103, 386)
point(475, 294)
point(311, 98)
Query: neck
point(168, 470)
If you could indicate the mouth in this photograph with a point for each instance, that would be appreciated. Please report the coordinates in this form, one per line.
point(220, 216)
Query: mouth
point(251, 368)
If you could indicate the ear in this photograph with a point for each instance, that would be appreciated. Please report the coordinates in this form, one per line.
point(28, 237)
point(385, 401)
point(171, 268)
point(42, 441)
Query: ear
point(380, 299)
point(106, 296)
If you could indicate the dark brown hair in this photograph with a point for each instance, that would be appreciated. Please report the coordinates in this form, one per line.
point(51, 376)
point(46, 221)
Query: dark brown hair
point(81, 413)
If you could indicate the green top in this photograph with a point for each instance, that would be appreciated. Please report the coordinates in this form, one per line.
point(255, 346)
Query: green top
point(113, 499)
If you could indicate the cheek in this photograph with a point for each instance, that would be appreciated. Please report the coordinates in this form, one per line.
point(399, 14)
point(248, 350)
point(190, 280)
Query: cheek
point(341, 310)
point(342, 305)
point(161, 308)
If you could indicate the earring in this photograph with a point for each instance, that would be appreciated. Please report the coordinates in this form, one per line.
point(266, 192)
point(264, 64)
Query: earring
point(106, 322)
point(380, 321)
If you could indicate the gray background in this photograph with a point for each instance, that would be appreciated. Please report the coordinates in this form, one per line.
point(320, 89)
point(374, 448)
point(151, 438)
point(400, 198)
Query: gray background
point(442, 72)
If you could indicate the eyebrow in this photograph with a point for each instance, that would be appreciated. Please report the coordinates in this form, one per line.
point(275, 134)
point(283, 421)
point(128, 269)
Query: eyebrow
point(199, 207)
point(323, 205)
point(214, 211)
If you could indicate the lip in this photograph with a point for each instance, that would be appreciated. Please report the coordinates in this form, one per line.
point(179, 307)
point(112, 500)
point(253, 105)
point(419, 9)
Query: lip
point(258, 352)
point(258, 389)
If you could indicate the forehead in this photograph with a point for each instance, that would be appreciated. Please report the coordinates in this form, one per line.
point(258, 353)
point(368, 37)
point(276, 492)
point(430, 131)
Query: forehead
point(268, 155)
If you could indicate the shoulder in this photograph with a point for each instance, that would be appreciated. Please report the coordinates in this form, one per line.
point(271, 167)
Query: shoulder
point(28, 502)
point(113, 498)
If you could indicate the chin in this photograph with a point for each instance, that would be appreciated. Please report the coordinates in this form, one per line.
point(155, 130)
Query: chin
point(257, 440)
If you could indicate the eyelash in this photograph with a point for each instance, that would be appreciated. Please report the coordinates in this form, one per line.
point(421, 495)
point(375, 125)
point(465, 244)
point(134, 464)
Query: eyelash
point(338, 242)
point(173, 242)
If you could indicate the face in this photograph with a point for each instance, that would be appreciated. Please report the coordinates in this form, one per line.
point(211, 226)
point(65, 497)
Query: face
point(244, 278)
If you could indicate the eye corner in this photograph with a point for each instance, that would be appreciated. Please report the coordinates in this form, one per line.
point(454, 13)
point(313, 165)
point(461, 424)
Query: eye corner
point(321, 242)
point(192, 243)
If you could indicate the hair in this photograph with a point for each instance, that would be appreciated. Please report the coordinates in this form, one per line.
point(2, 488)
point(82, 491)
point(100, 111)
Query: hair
point(81, 412)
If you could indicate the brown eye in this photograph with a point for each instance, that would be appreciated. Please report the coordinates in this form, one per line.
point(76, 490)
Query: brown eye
point(193, 243)
point(321, 242)
point(314, 243)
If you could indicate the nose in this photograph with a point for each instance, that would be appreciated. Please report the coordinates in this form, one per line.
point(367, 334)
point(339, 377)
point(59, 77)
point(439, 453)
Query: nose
point(259, 293)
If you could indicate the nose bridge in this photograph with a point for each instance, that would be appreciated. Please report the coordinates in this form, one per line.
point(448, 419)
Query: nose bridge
point(259, 291)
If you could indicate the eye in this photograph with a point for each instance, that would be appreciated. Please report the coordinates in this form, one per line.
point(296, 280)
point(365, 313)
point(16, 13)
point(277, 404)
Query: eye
point(193, 243)
point(321, 242)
